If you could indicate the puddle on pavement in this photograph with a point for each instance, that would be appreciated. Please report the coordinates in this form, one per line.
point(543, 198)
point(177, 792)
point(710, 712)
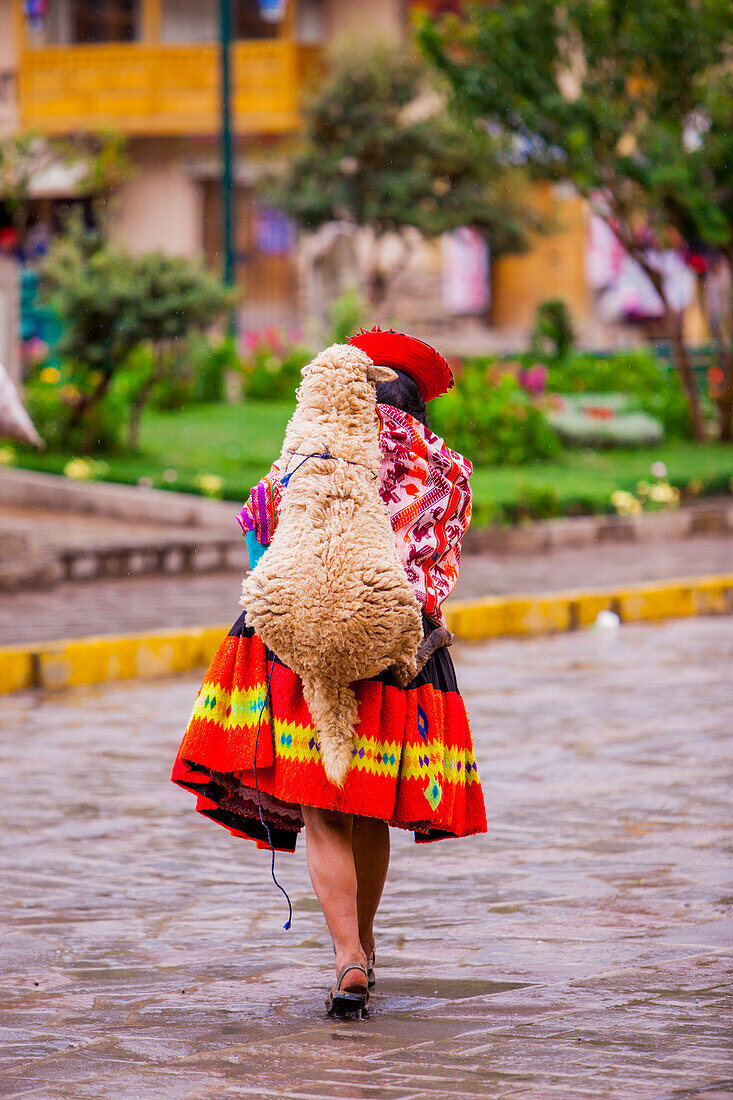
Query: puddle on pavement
point(445, 989)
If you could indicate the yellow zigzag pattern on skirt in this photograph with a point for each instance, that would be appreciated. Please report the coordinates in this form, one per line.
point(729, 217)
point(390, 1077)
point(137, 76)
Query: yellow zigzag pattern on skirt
point(295, 742)
point(229, 708)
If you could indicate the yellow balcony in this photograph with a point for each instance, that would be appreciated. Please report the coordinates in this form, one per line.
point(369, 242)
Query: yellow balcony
point(151, 88)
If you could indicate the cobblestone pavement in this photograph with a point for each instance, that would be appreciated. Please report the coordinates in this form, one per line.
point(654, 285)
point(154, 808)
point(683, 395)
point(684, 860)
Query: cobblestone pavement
point(580, 949)
point(151, 603)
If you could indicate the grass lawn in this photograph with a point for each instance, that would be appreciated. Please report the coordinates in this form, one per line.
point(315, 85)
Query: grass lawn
point(238, 443)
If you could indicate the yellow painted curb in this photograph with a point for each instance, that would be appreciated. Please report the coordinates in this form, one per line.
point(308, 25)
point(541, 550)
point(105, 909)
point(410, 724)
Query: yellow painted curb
point(558, 611)
point(96, 660)
point(16, 670)
point(79, 661)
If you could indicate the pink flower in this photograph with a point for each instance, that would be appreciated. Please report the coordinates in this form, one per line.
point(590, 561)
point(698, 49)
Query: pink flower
point(273, 338)
point(251, 340)
point(534, 380)
point(35, 349)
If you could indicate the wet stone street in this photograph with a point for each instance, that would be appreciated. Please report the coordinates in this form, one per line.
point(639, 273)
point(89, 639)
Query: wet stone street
point(580, 949)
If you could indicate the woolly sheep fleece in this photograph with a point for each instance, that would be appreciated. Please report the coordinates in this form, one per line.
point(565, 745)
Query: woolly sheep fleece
point(330, 596)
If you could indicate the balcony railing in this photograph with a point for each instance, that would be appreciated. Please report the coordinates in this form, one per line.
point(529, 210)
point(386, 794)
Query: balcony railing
point(149, 89)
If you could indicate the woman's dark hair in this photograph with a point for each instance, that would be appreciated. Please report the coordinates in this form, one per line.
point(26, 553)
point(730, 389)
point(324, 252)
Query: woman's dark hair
point(403, 394)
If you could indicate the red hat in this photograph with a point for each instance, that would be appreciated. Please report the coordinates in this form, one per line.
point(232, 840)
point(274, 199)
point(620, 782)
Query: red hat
point(424, 364)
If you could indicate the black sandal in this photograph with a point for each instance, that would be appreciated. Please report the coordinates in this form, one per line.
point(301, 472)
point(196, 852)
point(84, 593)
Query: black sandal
point(371, 962)
point(352, 1002)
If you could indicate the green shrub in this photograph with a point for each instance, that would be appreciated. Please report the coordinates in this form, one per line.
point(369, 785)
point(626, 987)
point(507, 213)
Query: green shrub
point(636, 373)
point(553, 334)
point(52, 396)
point(211, 362)
point(538, 502)
point(493, 425)
point(603, 420)
point(271, 370)
point(347, 314)
point(198, 375)
point(110, 305)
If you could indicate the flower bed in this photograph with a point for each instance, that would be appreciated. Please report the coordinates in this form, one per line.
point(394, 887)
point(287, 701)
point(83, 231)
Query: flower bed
point(602, 420)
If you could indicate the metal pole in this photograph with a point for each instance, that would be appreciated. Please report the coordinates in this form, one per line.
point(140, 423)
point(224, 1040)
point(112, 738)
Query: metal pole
point(227, 181)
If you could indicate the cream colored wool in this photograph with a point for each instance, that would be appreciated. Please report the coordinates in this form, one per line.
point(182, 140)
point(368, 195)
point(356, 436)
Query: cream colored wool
point(330, 596)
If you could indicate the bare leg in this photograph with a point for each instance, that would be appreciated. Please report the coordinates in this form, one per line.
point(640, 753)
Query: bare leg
point(370, 844)
point(333, 874)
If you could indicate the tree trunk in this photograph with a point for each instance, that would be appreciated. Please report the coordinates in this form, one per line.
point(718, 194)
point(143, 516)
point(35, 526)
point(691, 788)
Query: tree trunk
point(673, 323)
point(687, 374)
point(724, 354)
point(89, 401)
point(725, 414)
point(724, 399)
point(138, 407)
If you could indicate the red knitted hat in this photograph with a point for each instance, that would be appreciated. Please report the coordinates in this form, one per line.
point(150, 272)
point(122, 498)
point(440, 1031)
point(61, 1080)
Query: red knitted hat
point(424, 364)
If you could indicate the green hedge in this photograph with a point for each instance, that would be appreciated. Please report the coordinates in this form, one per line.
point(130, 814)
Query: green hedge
point(497, 424)
point(636, 373)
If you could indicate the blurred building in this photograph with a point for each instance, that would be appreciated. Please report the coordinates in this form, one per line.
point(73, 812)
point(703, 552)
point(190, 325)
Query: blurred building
point(149, 69)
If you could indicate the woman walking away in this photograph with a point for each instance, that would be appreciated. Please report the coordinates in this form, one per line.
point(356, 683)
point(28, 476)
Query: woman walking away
point(251, 751)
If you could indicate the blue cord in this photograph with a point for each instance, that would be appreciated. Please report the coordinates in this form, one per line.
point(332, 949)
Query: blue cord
point(284, 482)
point(326, 454)
point(259, 804)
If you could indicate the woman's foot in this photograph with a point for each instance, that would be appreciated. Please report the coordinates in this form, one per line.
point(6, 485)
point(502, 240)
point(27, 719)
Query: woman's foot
point(349, 997)
point(355, 979)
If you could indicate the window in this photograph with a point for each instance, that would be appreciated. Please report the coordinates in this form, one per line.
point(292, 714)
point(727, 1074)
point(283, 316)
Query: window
point(198, 21)
point(248, 20)
point(72, 22)
point(105, 20)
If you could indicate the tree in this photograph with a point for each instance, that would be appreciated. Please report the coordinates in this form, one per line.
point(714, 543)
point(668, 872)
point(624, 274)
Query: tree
point(381, 152)
point(110, 303)
point(696, 193)
point(614, 97)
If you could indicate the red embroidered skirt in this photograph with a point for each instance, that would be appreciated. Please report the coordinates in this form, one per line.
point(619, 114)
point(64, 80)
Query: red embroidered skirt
point(413, 764)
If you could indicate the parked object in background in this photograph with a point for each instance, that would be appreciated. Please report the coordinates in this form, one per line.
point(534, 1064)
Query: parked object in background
point(500, 412)
point(602, 420)
point(15, 422)
point(637, 373)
